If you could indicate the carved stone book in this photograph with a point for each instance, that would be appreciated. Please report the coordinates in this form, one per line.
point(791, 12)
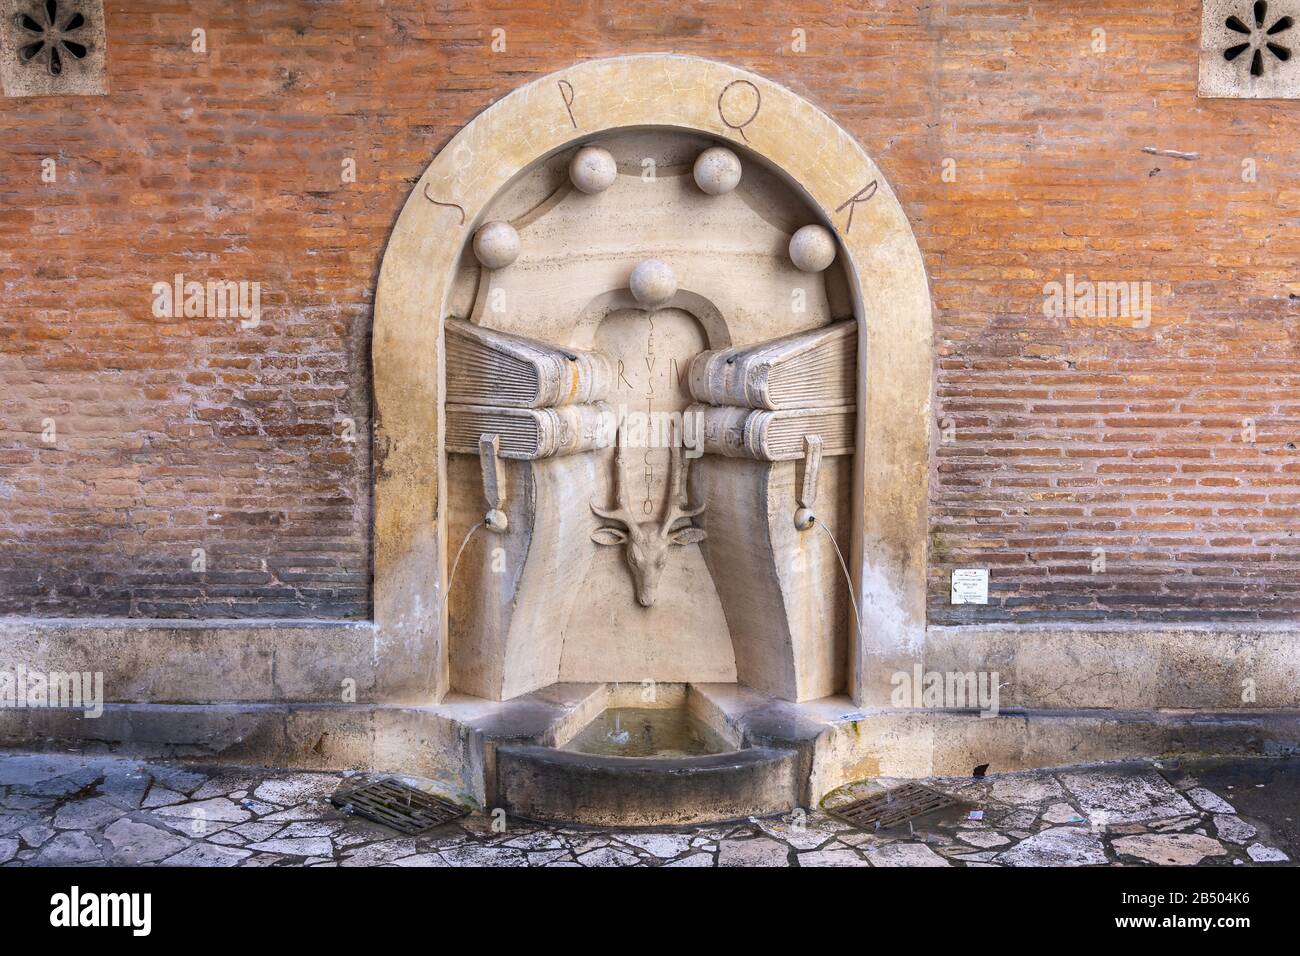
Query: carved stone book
point(487, 367)
point(531, 433)
point(774, 435)
point(805, 370)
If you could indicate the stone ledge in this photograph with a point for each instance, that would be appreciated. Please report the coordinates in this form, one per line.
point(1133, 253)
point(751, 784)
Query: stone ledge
point(445, 743)
point(1109, 667)
point(1202, 666)
point(152, 660)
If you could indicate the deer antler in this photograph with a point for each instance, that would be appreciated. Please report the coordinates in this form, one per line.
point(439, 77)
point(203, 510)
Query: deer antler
point(622, 511)
point(678, 504)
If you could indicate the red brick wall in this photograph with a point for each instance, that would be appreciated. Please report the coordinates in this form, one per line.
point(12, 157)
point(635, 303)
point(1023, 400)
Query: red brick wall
point(1067, 435)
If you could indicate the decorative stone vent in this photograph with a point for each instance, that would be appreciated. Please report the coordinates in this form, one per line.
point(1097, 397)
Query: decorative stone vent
point(1250, 49)
point(53, 48)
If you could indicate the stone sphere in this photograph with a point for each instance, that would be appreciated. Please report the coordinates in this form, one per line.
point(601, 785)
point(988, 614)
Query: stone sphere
point(496, 244)
point(653, 283)
point(593, 169)
point(812, 248)
point(717, 170)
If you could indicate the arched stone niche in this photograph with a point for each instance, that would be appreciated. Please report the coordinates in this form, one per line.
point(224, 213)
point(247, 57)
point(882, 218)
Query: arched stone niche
point(422, 282)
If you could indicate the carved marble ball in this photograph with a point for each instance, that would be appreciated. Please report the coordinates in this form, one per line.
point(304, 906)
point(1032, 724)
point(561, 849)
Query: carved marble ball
point(593, 169)
point(496, 244)
point(653, 283)
point(717, 170)
point(812, 248)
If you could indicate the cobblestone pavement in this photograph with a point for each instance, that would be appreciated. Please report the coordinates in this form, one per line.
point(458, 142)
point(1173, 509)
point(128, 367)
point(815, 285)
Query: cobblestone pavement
point(96, 811)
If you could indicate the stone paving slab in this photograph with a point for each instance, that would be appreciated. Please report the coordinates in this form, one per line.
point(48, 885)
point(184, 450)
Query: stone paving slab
point(64, 810)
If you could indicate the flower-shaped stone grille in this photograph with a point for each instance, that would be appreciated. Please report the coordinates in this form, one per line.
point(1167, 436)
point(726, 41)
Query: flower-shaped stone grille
point(1259, 38)
point(51, 37)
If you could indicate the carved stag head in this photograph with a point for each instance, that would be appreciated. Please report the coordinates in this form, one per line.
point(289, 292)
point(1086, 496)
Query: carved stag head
point(647, 543)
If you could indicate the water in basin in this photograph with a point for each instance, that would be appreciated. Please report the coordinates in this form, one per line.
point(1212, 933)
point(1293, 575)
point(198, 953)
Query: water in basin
point(648, 732)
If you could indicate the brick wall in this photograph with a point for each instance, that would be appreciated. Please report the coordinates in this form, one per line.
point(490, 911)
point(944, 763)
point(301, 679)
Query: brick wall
point(1061, 436)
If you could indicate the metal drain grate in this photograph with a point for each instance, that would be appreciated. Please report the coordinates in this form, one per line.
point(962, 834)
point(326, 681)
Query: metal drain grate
point(893, 807)
point(396, 805)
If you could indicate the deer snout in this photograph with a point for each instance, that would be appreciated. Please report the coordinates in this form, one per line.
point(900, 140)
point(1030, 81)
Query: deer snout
point(646, 572)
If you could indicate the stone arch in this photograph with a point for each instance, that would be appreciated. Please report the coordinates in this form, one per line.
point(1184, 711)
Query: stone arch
point(887, 281)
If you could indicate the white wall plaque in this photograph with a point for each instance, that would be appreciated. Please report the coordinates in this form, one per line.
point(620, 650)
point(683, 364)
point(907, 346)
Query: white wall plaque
point(970, 586)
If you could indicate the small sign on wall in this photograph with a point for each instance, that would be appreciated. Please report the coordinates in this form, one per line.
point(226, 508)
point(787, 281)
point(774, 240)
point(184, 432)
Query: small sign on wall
point(970, 586)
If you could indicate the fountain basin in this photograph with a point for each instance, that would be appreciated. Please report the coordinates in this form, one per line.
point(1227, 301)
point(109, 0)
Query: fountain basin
point(636, 763)
point(658, 732)
point(543, 783)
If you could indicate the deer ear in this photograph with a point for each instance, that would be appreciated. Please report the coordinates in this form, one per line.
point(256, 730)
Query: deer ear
point(609, 536)
point(688, 535)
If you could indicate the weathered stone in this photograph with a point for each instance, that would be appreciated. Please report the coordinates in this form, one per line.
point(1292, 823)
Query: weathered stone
point(1027, 788)
point(1060, 846)
point(538, 840)
point(162, 797)
point(694, 859)
point(421, 859)
point(177, 778)
point(1209, 800)
point(205, 854)
point(1170, 849)
point(1266, 854)
point(831, 856)
point(90, 814)
point(135, 843)
point(1062, 813)
point(295, 789)
point(904, 854)
point(1233, 829)
point(377, 854)
point(202, 813)
point(665, 846)
point(311, 828)
point(8, 850)
point(471, 855)
point(36, 834)
point(543, 857)
point(69, 848)
point(804, 837)
point(226, 838)
point(609, 856)
point(760, 851)
point(311, 846)
point(126, 786)
point(14, 822)
point(1114, 797)
point(258, 831)
point(982, 838)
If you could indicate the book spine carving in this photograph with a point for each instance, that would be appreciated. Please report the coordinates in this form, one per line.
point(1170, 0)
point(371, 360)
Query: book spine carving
point(531, 433)
point(486, 367)
point(760, 401)
point(539, 400)
point(814, 369)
